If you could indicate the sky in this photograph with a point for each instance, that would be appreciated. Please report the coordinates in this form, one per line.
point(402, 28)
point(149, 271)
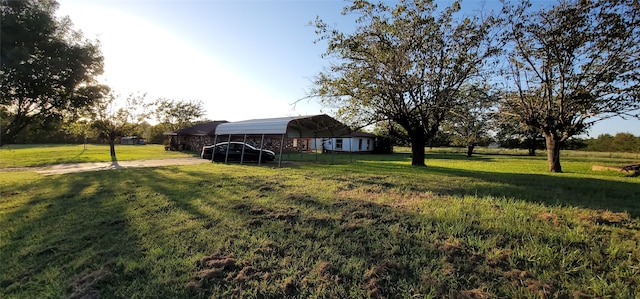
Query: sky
point(243, 59)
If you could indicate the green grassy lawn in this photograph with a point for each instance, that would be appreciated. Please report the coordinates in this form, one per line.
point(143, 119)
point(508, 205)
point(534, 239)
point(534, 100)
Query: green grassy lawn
point(490, 226)
point(39, 155)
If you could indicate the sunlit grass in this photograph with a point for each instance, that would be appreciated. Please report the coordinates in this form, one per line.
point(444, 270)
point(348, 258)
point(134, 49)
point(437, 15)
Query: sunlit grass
point(39, 155)
point(492, 226)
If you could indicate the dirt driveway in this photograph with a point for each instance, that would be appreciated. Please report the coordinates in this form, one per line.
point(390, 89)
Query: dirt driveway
point(96, 166)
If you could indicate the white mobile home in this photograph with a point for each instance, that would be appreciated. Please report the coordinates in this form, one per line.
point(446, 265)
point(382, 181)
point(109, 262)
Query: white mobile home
point(357, 142)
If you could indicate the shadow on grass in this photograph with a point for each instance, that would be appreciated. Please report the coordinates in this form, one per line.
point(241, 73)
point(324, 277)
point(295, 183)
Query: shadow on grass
point(553, 189)
point(114, 234)
point(44, 145)
point(63, 236)
point(462, 157)
point(176, 232)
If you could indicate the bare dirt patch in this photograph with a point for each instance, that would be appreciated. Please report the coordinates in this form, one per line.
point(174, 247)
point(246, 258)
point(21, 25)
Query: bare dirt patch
point(215, 268)
point(605, 217)
point(85, 286)
point(98, 166)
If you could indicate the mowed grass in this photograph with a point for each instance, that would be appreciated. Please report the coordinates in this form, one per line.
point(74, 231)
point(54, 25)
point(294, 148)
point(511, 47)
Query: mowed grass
point(490, 226)
point(47, 154)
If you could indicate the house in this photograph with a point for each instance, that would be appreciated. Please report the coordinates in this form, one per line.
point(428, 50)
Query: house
point(193, 138)
point(292, 133)
point(356, 142)
point(282, 134)
point(132, 140)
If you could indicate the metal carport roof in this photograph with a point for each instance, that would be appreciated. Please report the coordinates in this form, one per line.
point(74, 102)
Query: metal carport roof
point(311, 126)
point(203, 129)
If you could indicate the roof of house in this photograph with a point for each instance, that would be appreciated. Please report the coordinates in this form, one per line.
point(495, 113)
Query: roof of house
point(362, 134)
point(320, 125)
point(203, 129)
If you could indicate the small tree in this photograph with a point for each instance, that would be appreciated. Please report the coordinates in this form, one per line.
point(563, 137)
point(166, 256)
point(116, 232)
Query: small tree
point(470, 121)
point(512, 132)
point(572, 65)
point(110, 122)
point(79, 129)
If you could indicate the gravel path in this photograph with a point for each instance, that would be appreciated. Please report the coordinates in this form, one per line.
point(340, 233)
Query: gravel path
point(97, 166)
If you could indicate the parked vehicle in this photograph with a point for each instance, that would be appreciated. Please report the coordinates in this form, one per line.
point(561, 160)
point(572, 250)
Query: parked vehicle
point(235, 152)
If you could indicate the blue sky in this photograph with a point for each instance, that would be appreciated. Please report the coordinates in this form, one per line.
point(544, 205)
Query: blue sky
point(242, 59)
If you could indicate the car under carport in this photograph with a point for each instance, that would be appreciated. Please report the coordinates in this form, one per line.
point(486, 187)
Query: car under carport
point(263, 132)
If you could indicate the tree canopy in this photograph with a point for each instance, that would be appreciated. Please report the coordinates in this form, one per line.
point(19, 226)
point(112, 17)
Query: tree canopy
point(572, 65)
point(48, 70)
point(403, 63)
point(176, 114)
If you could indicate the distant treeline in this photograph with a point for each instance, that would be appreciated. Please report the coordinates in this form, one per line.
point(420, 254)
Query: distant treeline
point(621, 142)
point(56, 132)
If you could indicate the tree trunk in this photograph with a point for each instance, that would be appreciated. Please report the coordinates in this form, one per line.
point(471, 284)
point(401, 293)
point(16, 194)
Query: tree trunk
point(553, 153)
point(417, 151)
point(112, 149)
point(531, 145)
point(532, 151)
point(470, 150)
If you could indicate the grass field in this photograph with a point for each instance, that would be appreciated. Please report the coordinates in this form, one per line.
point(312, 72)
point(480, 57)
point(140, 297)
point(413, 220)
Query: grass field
point(39, 155)
point(490, 226)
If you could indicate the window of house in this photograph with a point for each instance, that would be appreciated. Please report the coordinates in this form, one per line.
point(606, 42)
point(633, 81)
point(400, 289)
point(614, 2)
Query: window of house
point(339, 143)
point(295, 142)
point(360, 144)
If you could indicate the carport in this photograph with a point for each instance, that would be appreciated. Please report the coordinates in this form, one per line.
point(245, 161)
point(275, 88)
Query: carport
point(313, 126)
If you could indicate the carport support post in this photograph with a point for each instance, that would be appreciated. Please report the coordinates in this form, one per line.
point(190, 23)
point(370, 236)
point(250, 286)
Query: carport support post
point(333, 152)
point(350, 150)
point(226, 154)
point(244, 141)
point(261, 145)
point(300, 142)
point(315, 140)
point(281, 145)
point(213, 149)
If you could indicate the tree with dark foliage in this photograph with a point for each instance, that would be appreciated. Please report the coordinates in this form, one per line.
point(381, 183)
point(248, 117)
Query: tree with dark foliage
point(47, 70)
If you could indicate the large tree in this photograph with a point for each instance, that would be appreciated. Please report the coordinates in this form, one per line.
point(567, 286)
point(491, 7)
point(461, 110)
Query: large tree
point(572, 65)
point(403, 63)
point(48, 70)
